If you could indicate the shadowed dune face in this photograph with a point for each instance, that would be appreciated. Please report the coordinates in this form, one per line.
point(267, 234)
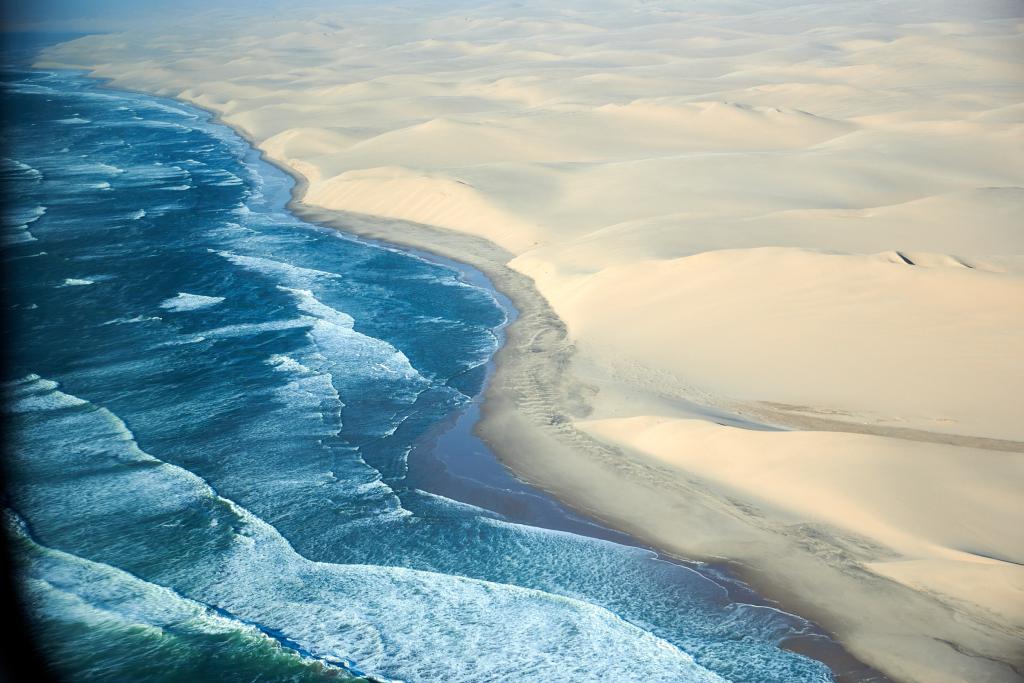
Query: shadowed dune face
point(805, 215)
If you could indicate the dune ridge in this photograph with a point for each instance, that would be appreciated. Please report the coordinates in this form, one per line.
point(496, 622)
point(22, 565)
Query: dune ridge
point(768, 259)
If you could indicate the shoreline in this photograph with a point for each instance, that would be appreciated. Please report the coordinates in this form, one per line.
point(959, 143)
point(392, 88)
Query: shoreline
point(532, 368)
point(537, 333)
point(526, 418)
point(544, 340)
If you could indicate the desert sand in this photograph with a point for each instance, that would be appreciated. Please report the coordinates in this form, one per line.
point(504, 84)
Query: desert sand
point(768, 258)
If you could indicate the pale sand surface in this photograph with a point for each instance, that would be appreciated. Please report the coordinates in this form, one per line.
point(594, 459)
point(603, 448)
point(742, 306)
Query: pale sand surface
point(767, 255)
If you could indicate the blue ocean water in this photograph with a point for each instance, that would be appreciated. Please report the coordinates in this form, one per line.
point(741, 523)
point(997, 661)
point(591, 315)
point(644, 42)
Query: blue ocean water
point(214, 406)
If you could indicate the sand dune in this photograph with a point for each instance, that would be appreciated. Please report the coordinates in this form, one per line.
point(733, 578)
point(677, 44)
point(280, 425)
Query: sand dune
point(826, 332)
point(800, 216)
point(935, 504)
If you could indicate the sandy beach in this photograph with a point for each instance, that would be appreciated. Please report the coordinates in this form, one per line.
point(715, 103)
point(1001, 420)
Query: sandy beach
point(767, 261)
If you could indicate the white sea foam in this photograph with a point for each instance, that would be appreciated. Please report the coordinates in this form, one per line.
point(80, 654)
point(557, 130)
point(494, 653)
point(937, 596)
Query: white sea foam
point(17, 235)
point(22, 217)
point(35, 213)
point(335, 337)
point(286, 271)
point(308, 303)
point(109, 169)
point(161, 106)
point(95, 595)
point(136, 319)
point(20, 168)
point(229, 231)
point(32, 393)
point(162, 209)
point(313, 393)
point(46, 401)
point(241, 330)
point(454, 504)
point(77, 282)
point(143, 122)
point(29, 382)
point(36, 255)
point(310, 390)
point(375, 486)
point(283, 363)
point(246, 329)
point(341, 612)
point(153, 123)
point(32, 88)
point(190, 302)
point(178, 188)
point(73, 120)
point(136, 215)
point(159, 174)
point(226, 178)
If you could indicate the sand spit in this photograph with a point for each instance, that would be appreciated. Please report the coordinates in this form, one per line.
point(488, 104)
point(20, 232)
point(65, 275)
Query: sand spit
point(767, 256)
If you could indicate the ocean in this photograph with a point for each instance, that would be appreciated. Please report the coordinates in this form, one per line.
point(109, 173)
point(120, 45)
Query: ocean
point(213, 409)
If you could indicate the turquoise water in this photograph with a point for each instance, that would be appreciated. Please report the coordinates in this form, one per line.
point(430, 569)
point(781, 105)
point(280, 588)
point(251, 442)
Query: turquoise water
point(214, 407)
